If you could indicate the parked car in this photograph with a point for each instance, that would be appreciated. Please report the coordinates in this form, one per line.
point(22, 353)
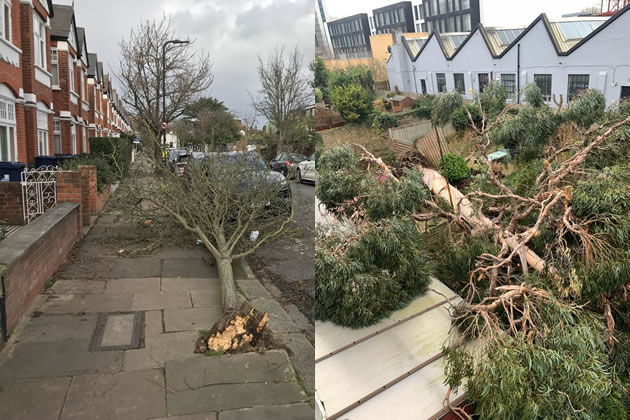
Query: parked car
point(306, 170)
point(284, 161)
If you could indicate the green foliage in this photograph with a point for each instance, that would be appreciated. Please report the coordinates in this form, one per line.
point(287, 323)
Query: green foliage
point(379, 270)
point(587, 108)
point(444, 106)
point(561, 373)
point(355, 75)
point(110, 155)
point(455, 167)
point(385, 198)
point(523, 179)
point(352, 101)
point(207, 121)
point(391, 94)
point(105, 173)
point(383, 120)
point(422, 106)
point(320, 73)
point(460, 119)
point(339, 176)
point(493, 98)
point(533, 95)
point(319, 96)
point(528, 132)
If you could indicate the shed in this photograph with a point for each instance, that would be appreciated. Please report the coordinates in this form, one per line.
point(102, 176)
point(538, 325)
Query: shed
point(401, 102)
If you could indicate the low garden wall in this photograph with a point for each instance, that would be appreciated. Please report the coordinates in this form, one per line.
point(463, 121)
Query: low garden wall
point(33, 253)
point(11, 205)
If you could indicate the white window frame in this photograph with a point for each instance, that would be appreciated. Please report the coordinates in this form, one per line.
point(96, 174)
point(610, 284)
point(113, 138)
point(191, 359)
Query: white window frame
point(7, 124)
point(83, 91)
point(57, 136)
point(54, 67)
point(71, 75)
point(39, 39)
point(5, 21)
point(73, 131)
point(42, 133)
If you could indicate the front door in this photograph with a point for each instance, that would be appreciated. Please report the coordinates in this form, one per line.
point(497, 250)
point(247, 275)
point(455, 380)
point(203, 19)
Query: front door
point(625, 92)
point(423, 82)
point(483, 81)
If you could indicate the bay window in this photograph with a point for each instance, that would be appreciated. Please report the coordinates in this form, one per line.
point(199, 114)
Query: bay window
point(39, 34)
point(42, 133)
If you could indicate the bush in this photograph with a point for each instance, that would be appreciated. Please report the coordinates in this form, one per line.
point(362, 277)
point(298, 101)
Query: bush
point(116, 151)
point(444, 106)
point(533, 95)
point(423, 106)
point(353, 102)
point(528, 132)
point(493, 99)
point(460, 119)
point(381, 269)
point(587, 108)
point(382, 120)
point(391, 94)
point(387, 105)
point(104, 173)
point(455, 167)
point(319, 96)
point(339, 176)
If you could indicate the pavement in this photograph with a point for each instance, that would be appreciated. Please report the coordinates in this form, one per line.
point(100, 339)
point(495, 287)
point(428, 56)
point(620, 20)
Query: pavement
point(114, 338)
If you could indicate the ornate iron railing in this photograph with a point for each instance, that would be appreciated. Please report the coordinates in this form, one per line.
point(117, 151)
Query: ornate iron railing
point(39, 191)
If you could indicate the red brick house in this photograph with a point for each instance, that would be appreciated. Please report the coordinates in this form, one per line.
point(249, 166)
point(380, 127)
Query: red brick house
point(83, 95)
point(26, 100)
point(95, 97)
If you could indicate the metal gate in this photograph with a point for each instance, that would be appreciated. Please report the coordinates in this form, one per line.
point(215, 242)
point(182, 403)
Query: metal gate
point(39, 191)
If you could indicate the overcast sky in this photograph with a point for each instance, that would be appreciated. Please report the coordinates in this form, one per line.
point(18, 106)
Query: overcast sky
point(497, 12)
point(233, 32)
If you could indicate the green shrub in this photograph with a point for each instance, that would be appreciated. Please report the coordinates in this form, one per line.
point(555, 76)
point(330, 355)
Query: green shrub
point(382, 120)
point(533, 95)
point(587, 108)
point(353, 102)
point(455, 167)
point(105, 174)
point(444, 106)
point(387, 105)
point(319, 96)
point(116, 151)
point(391, 94)
point(380, 270)
point(339, 176)
point(422, 106)
point(493, 98)
point(384, 197)
point(528, 132)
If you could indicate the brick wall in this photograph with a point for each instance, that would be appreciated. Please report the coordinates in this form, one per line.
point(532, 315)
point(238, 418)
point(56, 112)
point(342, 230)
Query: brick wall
point(79, 186)
point(70, 190)
point(101, 198)
point(11, 210)
point(33, 253)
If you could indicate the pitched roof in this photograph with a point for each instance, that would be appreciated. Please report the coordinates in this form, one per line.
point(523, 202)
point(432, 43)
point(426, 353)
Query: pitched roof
point(93, 66)
point(100, 71)
point(60, 23)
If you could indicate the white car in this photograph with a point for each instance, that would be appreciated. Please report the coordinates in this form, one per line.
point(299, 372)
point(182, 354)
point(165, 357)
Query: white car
point(306, 170)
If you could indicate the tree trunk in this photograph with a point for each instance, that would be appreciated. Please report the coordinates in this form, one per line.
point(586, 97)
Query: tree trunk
point(228, 288)
point(236, 329)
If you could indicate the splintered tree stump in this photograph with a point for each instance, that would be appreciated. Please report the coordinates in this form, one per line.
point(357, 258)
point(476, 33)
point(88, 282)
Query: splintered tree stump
point(236, 329)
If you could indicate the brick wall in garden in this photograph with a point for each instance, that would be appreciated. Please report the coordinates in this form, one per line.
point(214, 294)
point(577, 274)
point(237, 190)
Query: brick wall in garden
point(79, 186)
point(33, 253)
point(11, 210)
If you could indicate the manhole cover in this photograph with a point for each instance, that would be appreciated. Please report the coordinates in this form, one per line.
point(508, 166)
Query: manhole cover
point(118, 331)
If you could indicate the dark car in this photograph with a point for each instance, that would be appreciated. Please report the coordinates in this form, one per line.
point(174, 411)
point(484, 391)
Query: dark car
point(284, 161)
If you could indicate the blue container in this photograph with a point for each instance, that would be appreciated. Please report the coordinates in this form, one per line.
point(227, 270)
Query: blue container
point(45, 161)
point(12, 170)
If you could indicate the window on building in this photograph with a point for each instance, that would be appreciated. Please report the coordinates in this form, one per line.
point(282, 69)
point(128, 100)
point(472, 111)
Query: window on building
point(415, 12)
point(508, 81)
point(42, 133)
point(441, 82)
point(424, 27)
point(422, 13)
point(39, 33)
point(71, 74)
point(443, 8)
point(401, 15)
point(456, 5)
point(460, 86)
point(57, 135)
point(450, 24)
point(8, 146)
point(387, 19)
point(371, 23)
point(465, 4)
point(483, 81)
point(466, 22)
point(443, 25)
point(5, 20)
point(543, 81)
point(427, 9)
point(625, 92)
point(434, 8)
point(458, 27)
point(73, 131)
point(54, 67)
point(577, 83)
point(84, 150)
point(417, 27)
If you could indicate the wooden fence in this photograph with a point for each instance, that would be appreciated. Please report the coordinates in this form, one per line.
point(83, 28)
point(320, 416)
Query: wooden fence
point(421, 137)
point(410, 133)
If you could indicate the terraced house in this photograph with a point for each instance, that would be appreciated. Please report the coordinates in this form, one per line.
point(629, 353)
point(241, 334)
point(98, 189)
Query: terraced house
point(45, 98)
point(561, 56)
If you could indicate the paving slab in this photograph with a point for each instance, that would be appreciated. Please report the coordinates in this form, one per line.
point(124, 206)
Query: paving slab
point(204, 416)
point(85, 268)
point(174, 252)
point(125, 395)
point(298, 317)
point(118, 330)
point(189, 267)
point(189, 283)
point(153, 323)
point(69, 304)
point(302, 358)
point(191, 319)
point(133, 267)
point(237, 270)
point(28, 399)
point(160, 300)
point(253, 289)
point(159, 349)
point(133, 285)
point(279, 321)
point(58, 328)
point(232, 396)
point(206, 298)
point(271, 366)
point(63, 358)
point(78, 287)
point(290, 411)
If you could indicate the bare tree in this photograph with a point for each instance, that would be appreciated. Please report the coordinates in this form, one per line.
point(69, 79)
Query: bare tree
point(141, 75)
point(284, 93)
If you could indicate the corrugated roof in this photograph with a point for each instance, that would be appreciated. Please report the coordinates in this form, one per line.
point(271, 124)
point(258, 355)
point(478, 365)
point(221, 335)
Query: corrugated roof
point(60, 23)
point(568, 32)
point(501, 38)
point(452, 41)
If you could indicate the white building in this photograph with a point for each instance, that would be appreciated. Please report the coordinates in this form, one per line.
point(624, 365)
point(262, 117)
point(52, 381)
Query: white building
point(561, 56)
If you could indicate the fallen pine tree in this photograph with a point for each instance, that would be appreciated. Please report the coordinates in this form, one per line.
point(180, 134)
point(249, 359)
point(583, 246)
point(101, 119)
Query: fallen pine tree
point(540, 256)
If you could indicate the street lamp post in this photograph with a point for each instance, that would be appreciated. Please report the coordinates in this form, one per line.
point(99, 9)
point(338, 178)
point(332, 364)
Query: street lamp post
point(172, 41)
